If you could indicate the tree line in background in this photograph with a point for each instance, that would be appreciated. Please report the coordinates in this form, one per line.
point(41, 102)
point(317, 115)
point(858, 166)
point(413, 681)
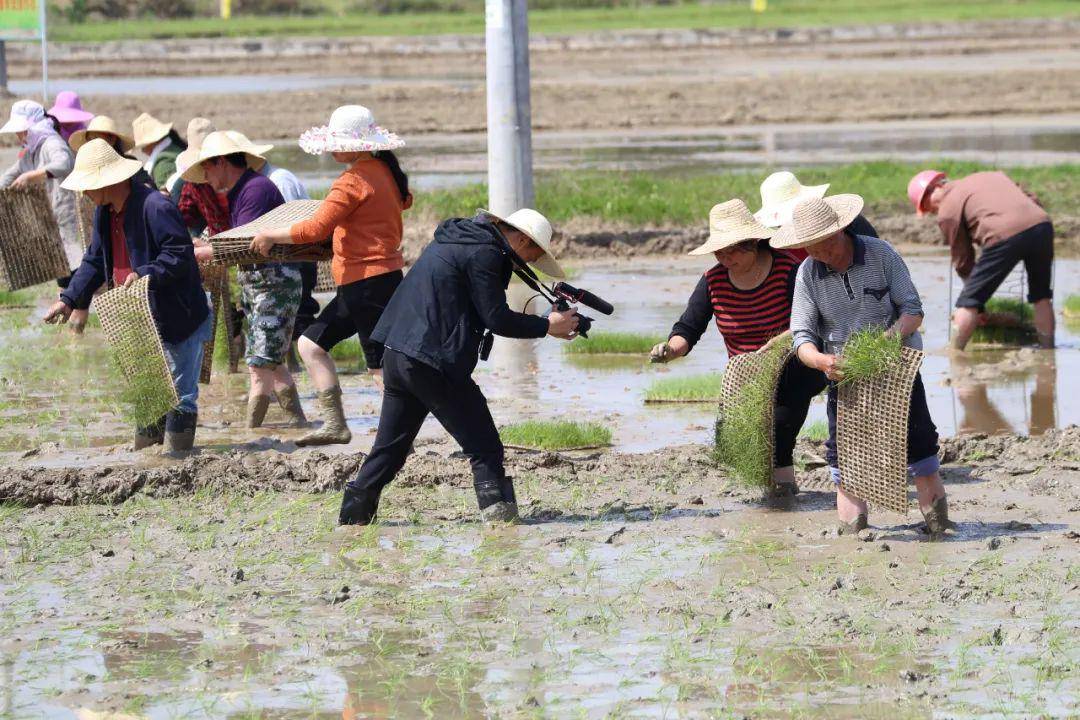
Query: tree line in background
point(78, 11)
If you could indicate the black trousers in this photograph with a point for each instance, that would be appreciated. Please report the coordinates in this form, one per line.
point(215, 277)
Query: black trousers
point(309, 306)
point(799, 385)
point(1034, 247)
point(413, 389)
point(355, 310)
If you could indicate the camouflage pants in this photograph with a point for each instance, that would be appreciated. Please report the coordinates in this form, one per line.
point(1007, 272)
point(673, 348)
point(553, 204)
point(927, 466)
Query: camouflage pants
point(270, 297)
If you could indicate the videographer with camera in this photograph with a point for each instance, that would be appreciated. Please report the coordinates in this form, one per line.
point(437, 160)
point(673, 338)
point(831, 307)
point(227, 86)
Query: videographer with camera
point(435, 328)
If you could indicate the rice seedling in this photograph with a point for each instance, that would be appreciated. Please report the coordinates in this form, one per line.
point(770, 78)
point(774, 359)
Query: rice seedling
point(868, 353)
point(743, 431)
point(614, 343)
point(555, 435)
point(1072, 306)
point(15, 298)
point(350, 351)
point(1006, 321)
point(690, 388)
point(817, 431)
point(145, 396)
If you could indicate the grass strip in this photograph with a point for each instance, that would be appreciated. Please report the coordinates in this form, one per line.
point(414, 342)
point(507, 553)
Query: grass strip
point(563, 16)
point(555, 435)
point(743, 432)
point(869, 353)
point(690, 388)
point(614, 343)
point(656, 199)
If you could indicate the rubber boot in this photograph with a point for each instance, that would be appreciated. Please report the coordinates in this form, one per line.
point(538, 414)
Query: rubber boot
point(937, 519)
point(358, 507)
point(496, 500)
point(150, 435)
point(853, 527)
point(180, 431)
point(335, 429)
point(256, 410)
point(289, 400)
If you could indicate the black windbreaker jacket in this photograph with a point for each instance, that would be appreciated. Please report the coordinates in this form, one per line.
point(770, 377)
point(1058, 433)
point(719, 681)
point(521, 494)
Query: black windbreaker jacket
point(454, 292)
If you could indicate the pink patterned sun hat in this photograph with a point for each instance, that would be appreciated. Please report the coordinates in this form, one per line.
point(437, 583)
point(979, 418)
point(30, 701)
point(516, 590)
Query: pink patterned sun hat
point(352, 128)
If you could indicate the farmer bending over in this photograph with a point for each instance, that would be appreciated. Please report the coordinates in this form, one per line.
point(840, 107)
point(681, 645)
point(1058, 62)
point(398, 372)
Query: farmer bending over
point(990, 210)
point(748, 293)
point(852, 282)
point(138, 232)
point(452, 301)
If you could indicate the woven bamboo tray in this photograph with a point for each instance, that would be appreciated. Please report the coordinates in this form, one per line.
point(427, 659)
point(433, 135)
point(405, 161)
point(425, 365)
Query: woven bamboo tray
point(30, 248)
point(871, 434)
point(232, 247)
point(84, 218)
point(325, 282)
point(740, 370)
point(132, 335)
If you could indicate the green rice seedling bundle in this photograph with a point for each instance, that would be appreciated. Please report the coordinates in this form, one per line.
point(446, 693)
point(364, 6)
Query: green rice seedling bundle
point(1072, 307)
point(1006, 321)
point(350, 351)
point(691, 388)
point(144, 398)
point(555, 435)
point(869, 353)
point(614, 343)
point(744, 428)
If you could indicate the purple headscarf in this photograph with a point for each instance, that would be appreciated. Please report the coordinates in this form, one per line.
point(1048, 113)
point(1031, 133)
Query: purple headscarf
point(38, 134)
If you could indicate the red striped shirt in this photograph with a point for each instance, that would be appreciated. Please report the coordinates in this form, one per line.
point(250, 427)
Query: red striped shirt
point(749, 318)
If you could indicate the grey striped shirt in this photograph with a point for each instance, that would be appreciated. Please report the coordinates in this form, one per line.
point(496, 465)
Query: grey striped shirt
point(875, 291)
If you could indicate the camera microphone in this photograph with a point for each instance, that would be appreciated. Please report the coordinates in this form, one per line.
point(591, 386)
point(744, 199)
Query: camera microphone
point(584, 297)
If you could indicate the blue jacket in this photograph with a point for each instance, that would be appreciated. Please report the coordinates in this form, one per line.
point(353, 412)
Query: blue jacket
point(454, 292)
point(159, 247)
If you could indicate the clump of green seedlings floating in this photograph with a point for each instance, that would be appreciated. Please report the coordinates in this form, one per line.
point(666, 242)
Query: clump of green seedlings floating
point(868, 354)
point(614, 343)
point(743, 433)
point(1072, 307)
point(688, 389)
point(350, 351)
point(1007, 321)
point(555, 435)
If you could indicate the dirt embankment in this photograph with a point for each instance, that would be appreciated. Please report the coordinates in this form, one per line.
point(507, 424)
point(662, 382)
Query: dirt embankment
point(1047, 465)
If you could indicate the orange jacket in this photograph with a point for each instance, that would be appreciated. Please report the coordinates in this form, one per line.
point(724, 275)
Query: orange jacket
point(363, 211)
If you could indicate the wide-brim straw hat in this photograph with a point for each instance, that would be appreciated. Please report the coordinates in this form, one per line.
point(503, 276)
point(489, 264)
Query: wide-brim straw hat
point(815, 219)
point(538, 229)
point(352, 128)
point(731, 223)
point(197, 130)
point(98, 165)
point(257, 152)
point(780, 193)
point(101, 124)
point(219, 144)
point(148, 130)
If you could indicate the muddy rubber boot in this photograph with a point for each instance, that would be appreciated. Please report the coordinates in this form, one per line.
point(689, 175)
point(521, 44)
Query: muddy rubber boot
point(853, 527)
point(180, 431)
point(335, 429)
point(497, 501)
point(937, 519)
point(151, 435)
point(358, 507)
point(256, 410)
point(289, 401)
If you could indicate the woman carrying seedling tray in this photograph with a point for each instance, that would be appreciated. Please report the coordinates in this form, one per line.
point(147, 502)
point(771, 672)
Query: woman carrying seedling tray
point(851, 283)
point(362, 212)
point(748, 294)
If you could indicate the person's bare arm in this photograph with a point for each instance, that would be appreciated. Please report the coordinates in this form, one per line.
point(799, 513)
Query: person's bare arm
point(811, 357)
point(906, 325)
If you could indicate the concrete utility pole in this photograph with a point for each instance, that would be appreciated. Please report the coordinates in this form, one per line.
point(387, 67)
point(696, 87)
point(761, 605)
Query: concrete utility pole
point(509, 114)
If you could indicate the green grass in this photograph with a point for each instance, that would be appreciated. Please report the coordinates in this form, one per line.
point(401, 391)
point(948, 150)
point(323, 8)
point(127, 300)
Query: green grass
point(646, 198)
point(689, 388)
point(614, 343)
point(817, 431)
point(349, 351)
point(780, 13)
point(555, 435)
point(16, 298)
point(743, 429)
point(869, 353)
point(1072, 306)
point(1009, 321)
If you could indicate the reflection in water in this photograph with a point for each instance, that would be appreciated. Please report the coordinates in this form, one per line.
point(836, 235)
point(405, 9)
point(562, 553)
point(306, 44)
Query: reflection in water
point(1032, 372)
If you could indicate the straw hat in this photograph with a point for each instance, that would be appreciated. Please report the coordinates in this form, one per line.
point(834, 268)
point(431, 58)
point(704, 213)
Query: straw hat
point(149, 130)
point(101, 124)
point(197, 130)
point(780, 193)
point(257, 152)
point(815, 219)
point(730, 223)
point(219, 144)
point(98, 165)
point(352, 128)
point(24, 115)
point(538, 228)
point(68, 108)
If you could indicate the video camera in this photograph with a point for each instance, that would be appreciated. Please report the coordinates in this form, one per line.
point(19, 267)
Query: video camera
point(565, 293)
